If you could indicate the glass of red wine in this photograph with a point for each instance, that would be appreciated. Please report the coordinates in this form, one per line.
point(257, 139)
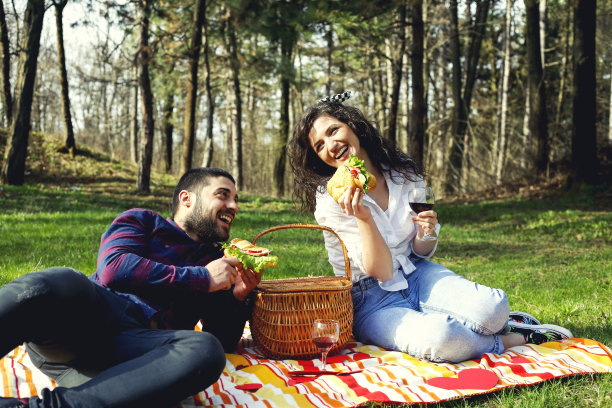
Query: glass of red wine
point(325, 333)
point(423, 200)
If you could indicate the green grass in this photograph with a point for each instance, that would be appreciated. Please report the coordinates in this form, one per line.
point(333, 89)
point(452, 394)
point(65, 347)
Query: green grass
point(552, 255)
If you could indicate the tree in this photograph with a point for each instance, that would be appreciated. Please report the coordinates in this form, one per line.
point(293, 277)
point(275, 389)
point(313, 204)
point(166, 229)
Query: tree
point(13, 166)
point(192, 84)
point(395, 63)
point(234, 111)
point(208, 139)
point(418, 112)
point(5, 72)
point(146, 97)
point(502, 128)
point(69, 143)
point(537, 87)
point(462, 100)
point(584, 141)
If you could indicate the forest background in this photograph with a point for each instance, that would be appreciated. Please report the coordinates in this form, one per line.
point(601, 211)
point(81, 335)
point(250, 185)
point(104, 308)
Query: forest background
point(480, 92)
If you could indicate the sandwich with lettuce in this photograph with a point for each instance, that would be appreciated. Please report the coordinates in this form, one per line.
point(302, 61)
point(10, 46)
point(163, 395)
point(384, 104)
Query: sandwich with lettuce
point(351, 174)
point(251, 256)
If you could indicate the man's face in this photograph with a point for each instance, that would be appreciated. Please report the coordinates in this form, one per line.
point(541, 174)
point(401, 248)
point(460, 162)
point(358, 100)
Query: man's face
point(212, 214)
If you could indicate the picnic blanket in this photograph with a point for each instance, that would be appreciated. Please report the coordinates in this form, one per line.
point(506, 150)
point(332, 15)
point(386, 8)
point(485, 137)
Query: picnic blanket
point(369, 373)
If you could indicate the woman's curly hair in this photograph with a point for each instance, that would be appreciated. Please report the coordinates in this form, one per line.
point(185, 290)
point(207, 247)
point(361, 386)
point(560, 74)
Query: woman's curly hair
point(310, 173)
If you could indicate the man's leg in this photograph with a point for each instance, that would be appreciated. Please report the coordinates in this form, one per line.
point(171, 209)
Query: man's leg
point(60, 308)
point(162, 368)
point(57, 305)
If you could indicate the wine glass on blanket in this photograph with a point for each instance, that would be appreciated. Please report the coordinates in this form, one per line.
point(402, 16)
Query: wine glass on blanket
point(325, 333)
point(422, 200)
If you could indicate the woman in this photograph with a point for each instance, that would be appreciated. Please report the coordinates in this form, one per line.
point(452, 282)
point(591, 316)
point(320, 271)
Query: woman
point(402, 301)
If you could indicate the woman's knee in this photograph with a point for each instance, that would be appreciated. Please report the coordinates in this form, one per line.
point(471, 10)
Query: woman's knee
point(441, 339)
point(494, 315)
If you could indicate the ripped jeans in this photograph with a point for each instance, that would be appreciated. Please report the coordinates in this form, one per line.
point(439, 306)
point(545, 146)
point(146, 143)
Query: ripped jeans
point(441, 316)
point(99, 346)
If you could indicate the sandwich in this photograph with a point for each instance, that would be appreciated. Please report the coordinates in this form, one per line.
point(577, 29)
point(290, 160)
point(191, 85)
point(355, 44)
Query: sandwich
point(251, 256)
point(351, 174)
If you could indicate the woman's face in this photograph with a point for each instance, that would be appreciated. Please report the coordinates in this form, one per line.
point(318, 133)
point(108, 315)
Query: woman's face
point(333, 141)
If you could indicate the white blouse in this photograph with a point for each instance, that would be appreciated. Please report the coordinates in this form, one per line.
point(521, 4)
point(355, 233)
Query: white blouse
point(395, 226)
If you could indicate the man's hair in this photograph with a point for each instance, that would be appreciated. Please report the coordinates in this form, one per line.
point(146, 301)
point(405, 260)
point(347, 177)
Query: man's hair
point(196, 179)
point(310, 172)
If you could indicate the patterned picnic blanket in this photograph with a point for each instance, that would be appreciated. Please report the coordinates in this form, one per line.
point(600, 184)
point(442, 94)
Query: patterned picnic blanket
point(369, 373)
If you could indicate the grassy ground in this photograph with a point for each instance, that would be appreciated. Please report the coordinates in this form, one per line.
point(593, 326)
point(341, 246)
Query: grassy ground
point(552, 253)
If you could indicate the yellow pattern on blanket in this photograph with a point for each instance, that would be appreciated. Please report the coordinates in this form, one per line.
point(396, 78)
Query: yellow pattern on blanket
point(251, 381)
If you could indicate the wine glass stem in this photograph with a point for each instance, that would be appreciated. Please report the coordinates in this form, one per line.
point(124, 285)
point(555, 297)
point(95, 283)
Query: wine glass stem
point(324, 358)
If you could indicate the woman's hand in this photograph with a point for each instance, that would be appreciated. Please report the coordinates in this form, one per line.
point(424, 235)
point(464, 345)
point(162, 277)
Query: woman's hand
point(351, 202)
point(426, 222)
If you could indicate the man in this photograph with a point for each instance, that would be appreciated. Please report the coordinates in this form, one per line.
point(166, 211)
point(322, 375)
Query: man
point(124, 337)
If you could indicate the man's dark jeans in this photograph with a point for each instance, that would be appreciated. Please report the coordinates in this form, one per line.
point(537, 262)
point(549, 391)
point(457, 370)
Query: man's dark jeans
point(81, 333)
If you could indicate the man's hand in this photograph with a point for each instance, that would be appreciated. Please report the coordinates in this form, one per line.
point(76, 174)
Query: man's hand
point(222, 273)
point(246, 281)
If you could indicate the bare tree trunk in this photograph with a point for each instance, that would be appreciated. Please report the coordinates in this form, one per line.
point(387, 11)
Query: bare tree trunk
point(13, 165)
point(542, 25)
point(396, 61)
point(134, 119)
point(192, 85)
point(144, 57)
point(584, 135)
point(208, 141)
point(417, 115)
point(329, 37)
point(610, 114)
point(558, 135)
point(537, 88)
point(7, 99)
point(453, 174)
point(168, 131)
point(69, 144)
point(502, 129)
point(280, 155)
point(236, 119)
point(526, 159)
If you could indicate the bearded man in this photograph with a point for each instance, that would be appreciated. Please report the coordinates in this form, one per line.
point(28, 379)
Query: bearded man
point(124, 337)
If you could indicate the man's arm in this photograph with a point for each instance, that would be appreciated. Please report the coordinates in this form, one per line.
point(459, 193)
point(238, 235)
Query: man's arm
point(129, 258)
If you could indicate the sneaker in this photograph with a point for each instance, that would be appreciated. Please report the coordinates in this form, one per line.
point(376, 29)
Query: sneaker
point(14, 402)
point(523, 318)
point(538, 334)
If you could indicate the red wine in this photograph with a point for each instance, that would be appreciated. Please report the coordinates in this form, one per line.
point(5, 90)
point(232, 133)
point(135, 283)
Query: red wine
point(420, 207)
point(324, 342)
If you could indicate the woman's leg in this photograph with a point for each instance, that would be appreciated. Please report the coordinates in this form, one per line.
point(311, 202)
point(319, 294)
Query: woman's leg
point(484, 310)
point(430, 321)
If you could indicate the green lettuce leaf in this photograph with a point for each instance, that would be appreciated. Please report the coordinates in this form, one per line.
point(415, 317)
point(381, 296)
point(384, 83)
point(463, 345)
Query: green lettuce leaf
point(355, 161)
point(249, 261)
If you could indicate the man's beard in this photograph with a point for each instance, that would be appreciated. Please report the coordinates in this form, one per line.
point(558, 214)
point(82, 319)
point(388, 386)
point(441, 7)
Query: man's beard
point(205, 227)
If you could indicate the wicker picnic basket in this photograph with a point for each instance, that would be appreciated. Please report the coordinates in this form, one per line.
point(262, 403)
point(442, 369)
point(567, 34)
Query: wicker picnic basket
point(285, 309)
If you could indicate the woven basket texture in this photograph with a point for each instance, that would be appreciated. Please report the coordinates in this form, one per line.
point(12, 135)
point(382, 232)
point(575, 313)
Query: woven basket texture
point(285, 309)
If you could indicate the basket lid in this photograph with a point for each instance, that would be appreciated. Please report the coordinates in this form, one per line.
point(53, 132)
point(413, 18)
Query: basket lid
point(315, 283)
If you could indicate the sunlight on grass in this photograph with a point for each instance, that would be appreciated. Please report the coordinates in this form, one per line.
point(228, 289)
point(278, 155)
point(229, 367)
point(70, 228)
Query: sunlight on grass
point(552, 257)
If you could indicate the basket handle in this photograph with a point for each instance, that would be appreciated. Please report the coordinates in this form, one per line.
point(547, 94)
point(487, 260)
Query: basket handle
point(347, 264)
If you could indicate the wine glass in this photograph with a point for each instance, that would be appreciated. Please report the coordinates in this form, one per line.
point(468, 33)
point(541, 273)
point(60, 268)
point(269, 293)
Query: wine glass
point(423, 200)
point(325, 333)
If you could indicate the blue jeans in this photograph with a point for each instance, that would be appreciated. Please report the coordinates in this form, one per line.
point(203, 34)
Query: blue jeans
point(99, 346)
point(441, 316)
